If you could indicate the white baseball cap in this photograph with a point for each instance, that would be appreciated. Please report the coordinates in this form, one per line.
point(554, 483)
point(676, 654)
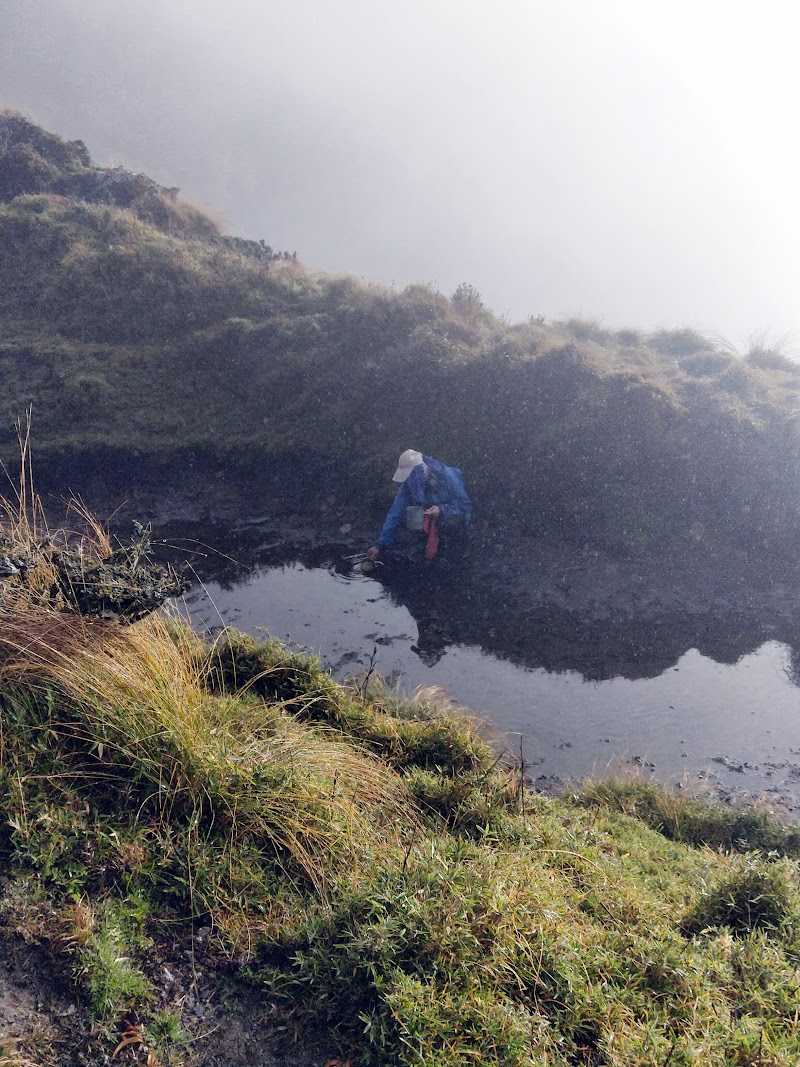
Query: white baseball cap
point(407, 462)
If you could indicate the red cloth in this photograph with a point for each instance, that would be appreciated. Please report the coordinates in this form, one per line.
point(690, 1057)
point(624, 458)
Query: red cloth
point(430, 524)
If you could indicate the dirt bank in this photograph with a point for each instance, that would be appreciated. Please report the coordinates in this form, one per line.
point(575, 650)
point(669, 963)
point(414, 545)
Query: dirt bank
point(214, 1019)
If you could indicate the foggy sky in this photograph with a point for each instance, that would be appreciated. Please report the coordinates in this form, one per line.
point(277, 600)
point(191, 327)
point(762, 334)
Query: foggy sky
point(634, 161)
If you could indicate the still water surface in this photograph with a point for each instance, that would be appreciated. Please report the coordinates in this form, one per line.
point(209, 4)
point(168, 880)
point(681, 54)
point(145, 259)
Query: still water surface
point(733, 723)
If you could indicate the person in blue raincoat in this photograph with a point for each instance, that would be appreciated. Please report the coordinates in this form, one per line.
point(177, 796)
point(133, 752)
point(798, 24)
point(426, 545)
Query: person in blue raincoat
point(428, 484)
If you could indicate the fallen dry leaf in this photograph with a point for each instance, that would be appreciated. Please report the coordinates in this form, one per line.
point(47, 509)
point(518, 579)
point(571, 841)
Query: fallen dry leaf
point(131, 1037)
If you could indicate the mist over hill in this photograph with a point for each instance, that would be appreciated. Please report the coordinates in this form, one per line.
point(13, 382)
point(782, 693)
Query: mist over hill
point(153, 348)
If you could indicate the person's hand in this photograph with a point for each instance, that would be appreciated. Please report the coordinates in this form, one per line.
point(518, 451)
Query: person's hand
point(434, 511)
point(373, 553)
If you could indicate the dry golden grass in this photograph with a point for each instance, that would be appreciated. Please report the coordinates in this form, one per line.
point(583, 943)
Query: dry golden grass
point(135, 695)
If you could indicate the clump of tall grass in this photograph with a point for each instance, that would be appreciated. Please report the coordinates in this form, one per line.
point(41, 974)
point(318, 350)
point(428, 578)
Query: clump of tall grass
point(420, 731)
point(684, 341)
point(756, 896)
point(692, 821)
point(23, 527)
point(73, 571)
point(132, 698)
point(130, 706)
point(584, 329)
point(767, 351)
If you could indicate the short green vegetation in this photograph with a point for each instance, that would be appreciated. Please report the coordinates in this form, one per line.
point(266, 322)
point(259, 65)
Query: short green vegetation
point(368, 864)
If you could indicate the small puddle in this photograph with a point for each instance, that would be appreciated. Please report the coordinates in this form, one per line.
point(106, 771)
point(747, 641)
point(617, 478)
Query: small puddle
point(732, 724)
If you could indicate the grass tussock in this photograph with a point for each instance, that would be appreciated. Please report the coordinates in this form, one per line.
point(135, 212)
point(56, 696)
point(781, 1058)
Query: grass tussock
point(756, 896)
point(404, 733)
point(772, 353)
point(126, 703)
point(700, 823)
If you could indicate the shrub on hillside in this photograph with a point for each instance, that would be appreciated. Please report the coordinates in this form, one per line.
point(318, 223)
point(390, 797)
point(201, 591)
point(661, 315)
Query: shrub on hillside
point(761, 895)
point(467, 300)
point(629, 338)
point(766, 360)
point(584, 329)
point(681, 342)
point(23, 170)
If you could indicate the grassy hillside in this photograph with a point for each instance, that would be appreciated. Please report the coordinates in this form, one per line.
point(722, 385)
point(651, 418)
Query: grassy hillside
point(187, 827)
point(142, 336)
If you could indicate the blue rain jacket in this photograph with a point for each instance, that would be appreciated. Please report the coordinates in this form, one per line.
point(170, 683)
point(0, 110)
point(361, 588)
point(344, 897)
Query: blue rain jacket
point(443, 486)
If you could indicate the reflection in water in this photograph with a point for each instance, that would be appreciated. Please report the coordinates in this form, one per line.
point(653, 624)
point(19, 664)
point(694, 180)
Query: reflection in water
point(675, 695)
point(453, 607)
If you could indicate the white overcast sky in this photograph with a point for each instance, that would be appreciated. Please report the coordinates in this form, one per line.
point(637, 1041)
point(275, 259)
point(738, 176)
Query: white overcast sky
point(630, 160)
